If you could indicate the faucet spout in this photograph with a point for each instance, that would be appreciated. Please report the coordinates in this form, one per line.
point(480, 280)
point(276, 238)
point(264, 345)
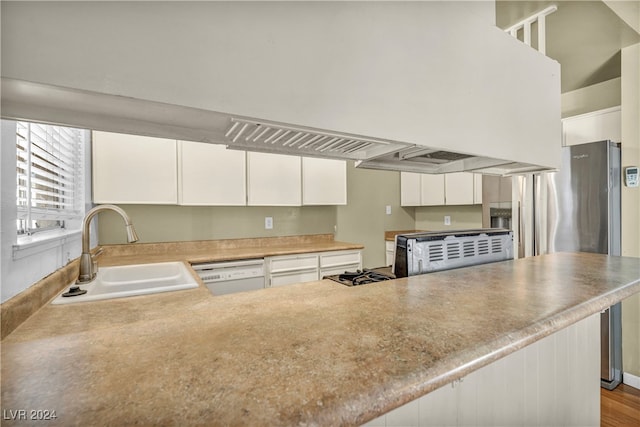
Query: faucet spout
point(88, 269)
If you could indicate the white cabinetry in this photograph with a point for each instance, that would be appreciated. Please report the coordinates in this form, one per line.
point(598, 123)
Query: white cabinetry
point(290, 269)
point(273, 180)
point(460, 188)
point(324, 181)
point(410, 189)
point(432, 190)
point(145, 170)
point(594, 126)
point(337, 262)
point(134, 169)
point(390, 251)
point(209, 174)
point(477, 188)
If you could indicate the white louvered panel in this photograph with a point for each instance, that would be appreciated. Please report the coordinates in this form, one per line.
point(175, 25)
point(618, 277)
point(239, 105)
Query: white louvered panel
point(554, 381)
point(271, 137)
point(49, 165)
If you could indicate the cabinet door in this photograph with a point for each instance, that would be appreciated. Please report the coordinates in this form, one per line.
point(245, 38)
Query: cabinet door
point(324, 181)
point(273, 180)
point(432, 190)
point(459, 188)
point(410, 189)
point(594, 126)
point(477, 188)
point(209, 174)
point(134, 169)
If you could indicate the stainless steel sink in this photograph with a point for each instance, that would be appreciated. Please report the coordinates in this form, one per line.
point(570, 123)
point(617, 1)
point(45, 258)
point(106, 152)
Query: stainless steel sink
point(131, 280)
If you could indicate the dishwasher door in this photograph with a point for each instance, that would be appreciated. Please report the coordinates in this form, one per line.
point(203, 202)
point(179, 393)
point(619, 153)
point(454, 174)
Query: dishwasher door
point(232, 276)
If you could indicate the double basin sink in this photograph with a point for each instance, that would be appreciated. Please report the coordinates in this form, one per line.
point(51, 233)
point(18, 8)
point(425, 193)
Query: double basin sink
point(131, 280)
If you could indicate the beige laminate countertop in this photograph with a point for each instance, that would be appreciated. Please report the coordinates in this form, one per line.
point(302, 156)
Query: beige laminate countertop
point(316, 353)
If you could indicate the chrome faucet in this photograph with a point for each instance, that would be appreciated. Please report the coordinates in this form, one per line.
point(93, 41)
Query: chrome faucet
point(88, 267)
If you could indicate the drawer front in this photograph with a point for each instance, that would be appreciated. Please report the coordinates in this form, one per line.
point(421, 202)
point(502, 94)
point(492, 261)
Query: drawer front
point(291, 278)
point(292, 263)
point(340, 258)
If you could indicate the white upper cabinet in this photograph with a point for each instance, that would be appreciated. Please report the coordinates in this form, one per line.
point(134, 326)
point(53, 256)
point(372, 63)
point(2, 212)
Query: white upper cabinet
point(432, 190)
point(145, 170)
point(209, 174)
point(591, 127)
point(134, 169)
point(459, 188)
point(324, 181)
point(410, 189)
point(477, 188)
point(273, 180)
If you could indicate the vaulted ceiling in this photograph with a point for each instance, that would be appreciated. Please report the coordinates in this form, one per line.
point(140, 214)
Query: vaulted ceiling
point(585, 37)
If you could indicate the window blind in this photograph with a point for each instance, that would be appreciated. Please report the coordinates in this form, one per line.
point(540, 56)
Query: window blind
point(49, 176)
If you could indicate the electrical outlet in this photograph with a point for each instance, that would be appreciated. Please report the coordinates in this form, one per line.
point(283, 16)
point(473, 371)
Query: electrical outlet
point(447, 220)
point(388, 209)
point(268, 223)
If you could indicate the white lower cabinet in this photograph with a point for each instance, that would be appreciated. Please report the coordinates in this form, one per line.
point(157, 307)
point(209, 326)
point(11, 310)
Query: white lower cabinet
point(289, 269)
point(390, 251)
point(338, 262)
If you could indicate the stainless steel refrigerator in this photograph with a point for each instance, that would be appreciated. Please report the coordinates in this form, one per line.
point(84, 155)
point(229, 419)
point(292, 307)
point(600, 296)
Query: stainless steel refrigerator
point(577, 209)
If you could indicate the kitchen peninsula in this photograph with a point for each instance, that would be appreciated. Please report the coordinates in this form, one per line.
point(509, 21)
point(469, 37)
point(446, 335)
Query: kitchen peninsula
point(316, 353)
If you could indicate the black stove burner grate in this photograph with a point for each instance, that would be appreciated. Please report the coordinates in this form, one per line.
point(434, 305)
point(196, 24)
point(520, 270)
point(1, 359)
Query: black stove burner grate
point(363, 277)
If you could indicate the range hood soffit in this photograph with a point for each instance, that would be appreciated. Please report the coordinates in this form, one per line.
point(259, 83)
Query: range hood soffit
point(30, 101)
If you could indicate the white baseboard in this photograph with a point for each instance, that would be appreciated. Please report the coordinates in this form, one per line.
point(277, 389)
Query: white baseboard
point(631, 380)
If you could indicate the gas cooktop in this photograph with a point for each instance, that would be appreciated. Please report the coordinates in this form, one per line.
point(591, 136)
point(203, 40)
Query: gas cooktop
point(362, 277)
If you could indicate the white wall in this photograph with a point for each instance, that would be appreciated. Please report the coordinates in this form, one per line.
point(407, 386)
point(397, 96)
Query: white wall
point(17, 273)
point(631, 202)
point(404, 71)
point(592, 98)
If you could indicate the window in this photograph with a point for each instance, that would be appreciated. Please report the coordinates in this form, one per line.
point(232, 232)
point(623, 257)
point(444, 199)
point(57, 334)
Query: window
point(50, 175)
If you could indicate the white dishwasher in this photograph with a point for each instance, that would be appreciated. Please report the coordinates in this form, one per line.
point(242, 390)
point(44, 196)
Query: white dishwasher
point(231, 276)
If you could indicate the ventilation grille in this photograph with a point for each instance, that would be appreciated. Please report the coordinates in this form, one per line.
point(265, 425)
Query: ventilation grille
point(272, 137)
point(496, 246)
point(445, 155)
point(459, 251)
point(438, 251)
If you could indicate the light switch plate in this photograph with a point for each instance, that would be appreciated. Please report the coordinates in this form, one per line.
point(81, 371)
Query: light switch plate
point(268, 223)
point(447, 220)
point(388, 209)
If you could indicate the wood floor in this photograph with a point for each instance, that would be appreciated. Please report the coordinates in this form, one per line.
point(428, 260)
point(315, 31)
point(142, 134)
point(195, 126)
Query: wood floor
point(620, 407)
